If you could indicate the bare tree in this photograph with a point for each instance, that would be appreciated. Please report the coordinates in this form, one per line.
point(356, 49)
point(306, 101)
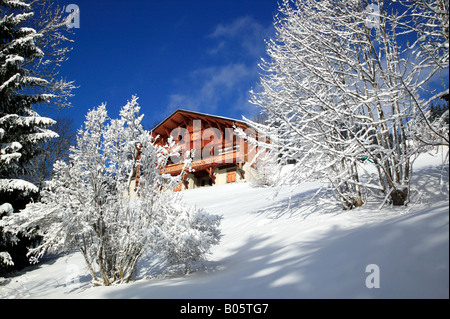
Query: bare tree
point(50, 20)
point(56, 149)
point(341, 86)
point(429, 21)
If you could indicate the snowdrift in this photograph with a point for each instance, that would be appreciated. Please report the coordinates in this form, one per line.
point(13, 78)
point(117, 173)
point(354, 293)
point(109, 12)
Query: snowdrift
point(291, 246)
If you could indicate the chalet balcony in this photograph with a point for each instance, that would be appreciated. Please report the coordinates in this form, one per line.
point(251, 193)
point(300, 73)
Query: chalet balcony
point(233, 157)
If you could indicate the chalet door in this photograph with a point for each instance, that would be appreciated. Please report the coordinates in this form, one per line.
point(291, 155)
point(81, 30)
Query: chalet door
point(231, 176)
point(178, 188)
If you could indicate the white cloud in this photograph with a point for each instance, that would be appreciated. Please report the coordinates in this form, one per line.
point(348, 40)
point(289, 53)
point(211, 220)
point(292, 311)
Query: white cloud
point(246, 31)
point(236, 49)
point(212, 85)
point(239, 27)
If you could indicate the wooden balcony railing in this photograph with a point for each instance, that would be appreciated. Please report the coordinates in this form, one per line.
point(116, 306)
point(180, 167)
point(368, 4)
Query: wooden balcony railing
point(227, 158)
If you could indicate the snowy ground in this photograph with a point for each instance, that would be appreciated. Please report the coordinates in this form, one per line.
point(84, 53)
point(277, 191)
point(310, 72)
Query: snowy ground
point(288, 247)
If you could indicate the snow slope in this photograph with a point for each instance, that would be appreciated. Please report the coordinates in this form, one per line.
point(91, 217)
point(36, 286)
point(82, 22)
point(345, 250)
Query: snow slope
point(290, 246)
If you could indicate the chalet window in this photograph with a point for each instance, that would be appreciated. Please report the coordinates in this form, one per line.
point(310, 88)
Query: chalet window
point(178, 188)
point(231, 176)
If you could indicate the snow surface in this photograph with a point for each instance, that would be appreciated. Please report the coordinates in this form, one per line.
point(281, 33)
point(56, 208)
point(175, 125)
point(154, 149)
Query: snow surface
point(288, 247)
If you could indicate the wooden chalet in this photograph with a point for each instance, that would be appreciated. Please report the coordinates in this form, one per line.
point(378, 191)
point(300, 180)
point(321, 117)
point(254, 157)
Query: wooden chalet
point(219, 156)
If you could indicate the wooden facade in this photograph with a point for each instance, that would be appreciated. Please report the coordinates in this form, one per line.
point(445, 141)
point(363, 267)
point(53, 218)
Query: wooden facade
point(219, 156)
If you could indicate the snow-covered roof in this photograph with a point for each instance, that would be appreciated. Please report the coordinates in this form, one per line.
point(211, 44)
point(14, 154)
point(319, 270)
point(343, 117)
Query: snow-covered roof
point(198, 114)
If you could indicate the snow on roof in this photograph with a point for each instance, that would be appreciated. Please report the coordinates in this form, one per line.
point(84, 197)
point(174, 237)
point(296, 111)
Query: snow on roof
point(200, 114)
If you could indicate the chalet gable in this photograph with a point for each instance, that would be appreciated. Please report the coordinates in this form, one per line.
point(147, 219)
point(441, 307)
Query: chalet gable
point(185, 119)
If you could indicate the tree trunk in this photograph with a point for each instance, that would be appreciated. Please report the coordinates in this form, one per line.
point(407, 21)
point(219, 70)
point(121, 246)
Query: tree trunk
point(399, 197)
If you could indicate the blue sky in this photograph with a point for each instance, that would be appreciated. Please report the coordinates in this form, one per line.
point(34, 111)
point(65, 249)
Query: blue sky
point(197, 55)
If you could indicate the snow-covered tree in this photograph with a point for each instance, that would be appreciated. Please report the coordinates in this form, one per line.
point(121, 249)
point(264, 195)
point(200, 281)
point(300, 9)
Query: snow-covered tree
point(266, 170)
point(341, 86)
point(429, 21)
point(54, 149)
point(95, 205)
point(31, 50)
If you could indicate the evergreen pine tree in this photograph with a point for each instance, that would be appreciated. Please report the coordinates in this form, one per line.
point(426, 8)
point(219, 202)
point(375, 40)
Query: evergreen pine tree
point(22, 87)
